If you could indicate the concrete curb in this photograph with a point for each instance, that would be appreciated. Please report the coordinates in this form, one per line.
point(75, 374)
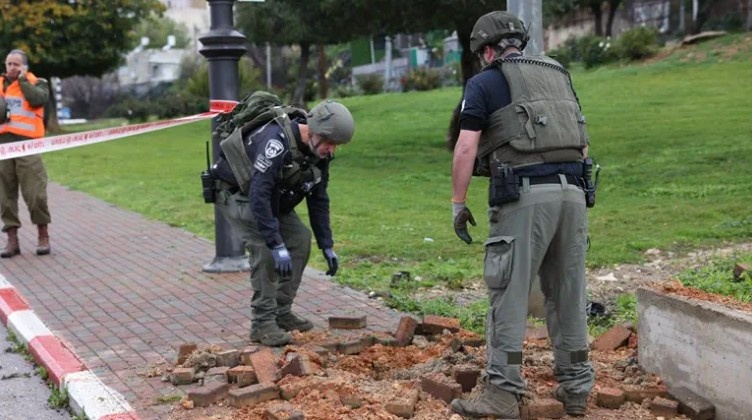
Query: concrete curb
point(86, 393)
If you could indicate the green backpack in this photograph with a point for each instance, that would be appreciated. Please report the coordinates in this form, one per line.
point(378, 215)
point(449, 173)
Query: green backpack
point(254, 105)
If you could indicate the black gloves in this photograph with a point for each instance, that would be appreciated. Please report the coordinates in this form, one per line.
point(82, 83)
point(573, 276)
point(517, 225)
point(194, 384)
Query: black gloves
point(462, 215)
point(332, 260)
point(282, 260)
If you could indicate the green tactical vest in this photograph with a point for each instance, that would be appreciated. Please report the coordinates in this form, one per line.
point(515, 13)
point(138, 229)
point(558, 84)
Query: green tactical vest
point(299, 176)
point(543, 123)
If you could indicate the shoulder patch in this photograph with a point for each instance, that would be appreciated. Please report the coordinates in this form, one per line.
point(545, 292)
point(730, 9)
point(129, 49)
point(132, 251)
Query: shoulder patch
point(262, 164)
point(273, 148)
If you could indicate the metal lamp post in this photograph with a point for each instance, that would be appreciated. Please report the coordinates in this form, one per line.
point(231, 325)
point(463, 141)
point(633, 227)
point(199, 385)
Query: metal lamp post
point(223, 46)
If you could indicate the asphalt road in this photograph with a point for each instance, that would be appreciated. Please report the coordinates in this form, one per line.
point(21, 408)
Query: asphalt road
point(23, 394)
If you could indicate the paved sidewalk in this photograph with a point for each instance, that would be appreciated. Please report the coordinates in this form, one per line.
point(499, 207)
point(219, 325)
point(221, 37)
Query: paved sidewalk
point(123, 292)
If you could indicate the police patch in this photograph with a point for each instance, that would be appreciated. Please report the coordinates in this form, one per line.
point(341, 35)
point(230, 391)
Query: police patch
point(262, 164)
point(273, 148)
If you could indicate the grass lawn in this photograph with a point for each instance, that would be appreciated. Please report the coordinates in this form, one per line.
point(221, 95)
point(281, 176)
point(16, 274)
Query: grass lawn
point(674, 139)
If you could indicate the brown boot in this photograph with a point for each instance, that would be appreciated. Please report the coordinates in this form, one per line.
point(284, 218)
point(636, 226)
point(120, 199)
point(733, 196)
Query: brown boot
point(11, 248)
point(43, 246)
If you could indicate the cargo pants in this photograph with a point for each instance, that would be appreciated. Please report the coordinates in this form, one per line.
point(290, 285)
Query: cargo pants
point(273, 295)
point(544, 233)
point(29, 174)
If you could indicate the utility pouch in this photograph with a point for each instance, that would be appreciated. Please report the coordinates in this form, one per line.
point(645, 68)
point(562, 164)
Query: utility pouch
point(207, 187)
point(591, 185)
point(505, 186)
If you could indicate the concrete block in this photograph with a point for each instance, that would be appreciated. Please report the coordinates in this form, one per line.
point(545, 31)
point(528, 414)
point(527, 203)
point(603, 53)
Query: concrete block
point(612, 339)
point(547, 408)
point(466, 376)
point(347, 322)
point(405, 331)
point(184, 351)
point(440, 387)
point(264, 363)
point(181, 376)
point(698, 345)
point(610, 398)
point(433, 324)
point(663, 407)
point(692, 405)
point(229, 358)
point(207, 395)
point(283, 411)
point(252, 395)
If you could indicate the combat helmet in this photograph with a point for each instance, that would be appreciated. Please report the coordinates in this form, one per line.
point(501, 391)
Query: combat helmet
point(495, 26)
point(333, 121)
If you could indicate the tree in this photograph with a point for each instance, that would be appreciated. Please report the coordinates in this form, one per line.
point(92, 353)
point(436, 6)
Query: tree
point(554, 10)
point(72, 37)
point(157, 29)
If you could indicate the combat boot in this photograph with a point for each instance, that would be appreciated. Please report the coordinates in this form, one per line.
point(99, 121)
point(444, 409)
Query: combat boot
point(43, 243)
point(492, 402)
point(574, 404)
point(11, 248)
point(270, 334)
point(291, 322)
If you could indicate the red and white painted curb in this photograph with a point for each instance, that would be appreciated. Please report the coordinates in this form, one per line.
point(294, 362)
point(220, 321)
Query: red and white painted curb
point(86, 393)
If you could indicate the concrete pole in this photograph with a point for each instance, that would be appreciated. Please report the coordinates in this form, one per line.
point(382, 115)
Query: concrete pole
point(268, 66)
point(682, 20)
point(387, 64)
point(530, 13)
point(223, 46)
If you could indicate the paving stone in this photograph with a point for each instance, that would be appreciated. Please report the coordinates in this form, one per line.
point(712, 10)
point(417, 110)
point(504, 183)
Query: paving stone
point(208, 394)
point(182, 376)
point(638, 393)
point(184, 351)
point(663, 407)
point(440, 387)
point(546, 408)
point(434, 324)
point(612, 339)
point(347, 322)
point(298, 365)
point(610, 398)
point(403, 406)
point(264, 363)
point(254, 394)
point(283, 411)
point(354, 346)
point(466, 376)
point(229, 358)
point(692, 405)
point(242, 375)
point(405, 331)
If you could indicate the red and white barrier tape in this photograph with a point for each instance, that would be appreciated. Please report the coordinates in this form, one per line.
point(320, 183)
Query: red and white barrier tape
point(66, 141)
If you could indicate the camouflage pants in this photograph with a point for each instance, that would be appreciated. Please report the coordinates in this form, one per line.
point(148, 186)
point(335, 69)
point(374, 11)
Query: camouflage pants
point(29, 174)
point(544, 233)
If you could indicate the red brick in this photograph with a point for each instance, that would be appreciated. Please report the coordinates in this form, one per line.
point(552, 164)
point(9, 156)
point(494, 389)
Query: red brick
point(403, 406)
point(547, 408)
point(612, 339)
point(283, 411)
point(440, 387)
point(264, 363)
point(433, 324)
point(355, 346)
point(184, 351)
point(663, 407)
point(538, 332)
point(467, 377)
point(299, 365)
point(254, 394)
point(181, 376)
point(610, 398)
point(693, 405)
point(637, 393)
point(347, 322)
point(229, 358)
point(207, 395)
point(405, 331)
point(245, 354)
point(242, 375)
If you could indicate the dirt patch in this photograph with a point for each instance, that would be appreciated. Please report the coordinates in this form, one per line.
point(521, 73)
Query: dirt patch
point(676, 288)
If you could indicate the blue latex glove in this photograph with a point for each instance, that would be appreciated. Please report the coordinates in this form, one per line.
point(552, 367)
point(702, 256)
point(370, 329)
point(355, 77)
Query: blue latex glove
point(282, 260)
point(332, 260)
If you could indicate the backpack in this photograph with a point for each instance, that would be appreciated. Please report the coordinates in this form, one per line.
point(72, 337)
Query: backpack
point(253, 106)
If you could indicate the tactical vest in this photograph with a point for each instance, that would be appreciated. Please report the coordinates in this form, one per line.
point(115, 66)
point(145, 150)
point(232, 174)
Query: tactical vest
point(543, 123)
point(300, 176)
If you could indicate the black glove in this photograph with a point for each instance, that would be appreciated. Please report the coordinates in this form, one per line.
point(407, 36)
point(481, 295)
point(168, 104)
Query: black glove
point(282, 260)
point(462, 215)
point(332, 260)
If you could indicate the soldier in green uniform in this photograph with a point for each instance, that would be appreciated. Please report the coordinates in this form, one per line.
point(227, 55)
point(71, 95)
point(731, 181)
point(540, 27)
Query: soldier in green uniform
point(521, 125)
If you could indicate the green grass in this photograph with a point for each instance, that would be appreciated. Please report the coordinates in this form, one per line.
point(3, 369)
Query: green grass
point(718, 277)
point(673, 138)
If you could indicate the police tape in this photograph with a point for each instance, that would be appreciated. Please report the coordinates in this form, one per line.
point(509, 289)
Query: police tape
point(66, 141)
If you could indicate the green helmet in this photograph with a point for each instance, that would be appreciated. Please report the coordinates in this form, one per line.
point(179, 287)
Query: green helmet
point(333, 121)
point(4, 114)
point(495, 26)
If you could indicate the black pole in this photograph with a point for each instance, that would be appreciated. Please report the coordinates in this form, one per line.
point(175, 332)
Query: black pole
point(223, 46)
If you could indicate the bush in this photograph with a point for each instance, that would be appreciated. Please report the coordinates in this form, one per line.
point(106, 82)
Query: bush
point(422, 78)
point(637, 43)
point(562, 54)
point(371, 84)
point(595, 51)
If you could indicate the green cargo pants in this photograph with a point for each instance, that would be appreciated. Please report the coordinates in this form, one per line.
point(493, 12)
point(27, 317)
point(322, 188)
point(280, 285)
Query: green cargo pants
point(29, 174)
point(272, 294)
point(545, 233)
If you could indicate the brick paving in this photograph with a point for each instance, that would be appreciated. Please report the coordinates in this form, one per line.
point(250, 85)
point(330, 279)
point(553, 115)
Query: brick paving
point(124, 292)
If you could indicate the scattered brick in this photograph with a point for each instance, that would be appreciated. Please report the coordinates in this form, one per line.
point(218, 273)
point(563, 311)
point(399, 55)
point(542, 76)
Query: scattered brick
point(355, 346)
point(538, 332)
point(739, 270)
point(298, 365)
point(547, 408)
point(403, 406)
point(184, 351)
point(632, 342)
point(466, 376)
point(387, 341)
point(638, 393)
point(209, 394)
point(610, 398)
point(283, 411)
point(253, 394)
point(347, 322)
point(474, 341)
point(332, 346)
point(229, 358)
point(265, 365)
point(663, 407)
point(692, 405)
point(440, 387)
point(245, 354)
point(181, 376)
point(405, 331)
point(433, 324)
point(612, 339)
point(291, 390)
point(319, 350)
point(242, 375)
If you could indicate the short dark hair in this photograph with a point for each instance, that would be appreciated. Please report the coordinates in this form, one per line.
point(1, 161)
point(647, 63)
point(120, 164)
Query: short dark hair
point(22, 53)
